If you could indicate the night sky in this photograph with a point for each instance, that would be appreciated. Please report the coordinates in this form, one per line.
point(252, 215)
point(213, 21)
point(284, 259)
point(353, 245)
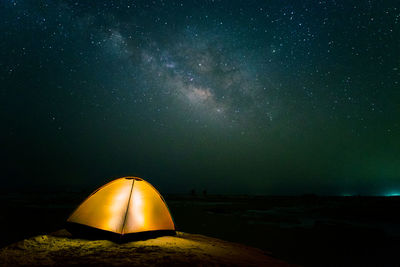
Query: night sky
point(248, 97)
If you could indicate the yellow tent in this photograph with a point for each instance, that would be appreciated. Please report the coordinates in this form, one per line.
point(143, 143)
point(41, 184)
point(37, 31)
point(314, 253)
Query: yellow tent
point(127, 205)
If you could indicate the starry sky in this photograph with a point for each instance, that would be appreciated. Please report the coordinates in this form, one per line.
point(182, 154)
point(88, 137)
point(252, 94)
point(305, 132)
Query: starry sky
point(235, 97)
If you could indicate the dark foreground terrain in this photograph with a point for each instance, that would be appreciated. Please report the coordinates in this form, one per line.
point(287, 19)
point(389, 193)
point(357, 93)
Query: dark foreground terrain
point(183, 249)
point(308, 230)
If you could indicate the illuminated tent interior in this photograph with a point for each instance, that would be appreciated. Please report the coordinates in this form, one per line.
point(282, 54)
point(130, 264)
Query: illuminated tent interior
point(127, 206)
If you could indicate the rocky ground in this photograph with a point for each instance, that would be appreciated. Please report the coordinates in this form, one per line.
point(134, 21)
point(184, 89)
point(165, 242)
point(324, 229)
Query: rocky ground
point(306, 230)
point(61, 249)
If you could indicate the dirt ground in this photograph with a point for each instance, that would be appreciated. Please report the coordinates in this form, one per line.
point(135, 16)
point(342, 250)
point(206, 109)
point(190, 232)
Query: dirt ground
point(305, 230)
point(60, 249)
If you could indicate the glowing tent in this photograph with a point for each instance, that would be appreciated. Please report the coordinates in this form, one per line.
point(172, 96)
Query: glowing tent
point(127, 206)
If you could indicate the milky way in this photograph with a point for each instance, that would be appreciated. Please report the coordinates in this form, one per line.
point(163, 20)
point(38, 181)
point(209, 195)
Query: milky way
point(289, 97)
point(204, 73)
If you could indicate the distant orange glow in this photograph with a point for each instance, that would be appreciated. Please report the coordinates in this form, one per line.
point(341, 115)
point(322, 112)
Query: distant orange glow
point(123, 206)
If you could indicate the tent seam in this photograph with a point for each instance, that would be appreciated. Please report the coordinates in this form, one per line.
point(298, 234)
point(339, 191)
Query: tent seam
point(127, 207)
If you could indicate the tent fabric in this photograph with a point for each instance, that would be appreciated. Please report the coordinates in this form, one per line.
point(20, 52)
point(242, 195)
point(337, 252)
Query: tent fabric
point(124, 206)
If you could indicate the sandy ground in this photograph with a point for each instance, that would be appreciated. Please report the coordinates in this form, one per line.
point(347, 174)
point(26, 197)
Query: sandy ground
point(61, 249)
point(305, 230)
